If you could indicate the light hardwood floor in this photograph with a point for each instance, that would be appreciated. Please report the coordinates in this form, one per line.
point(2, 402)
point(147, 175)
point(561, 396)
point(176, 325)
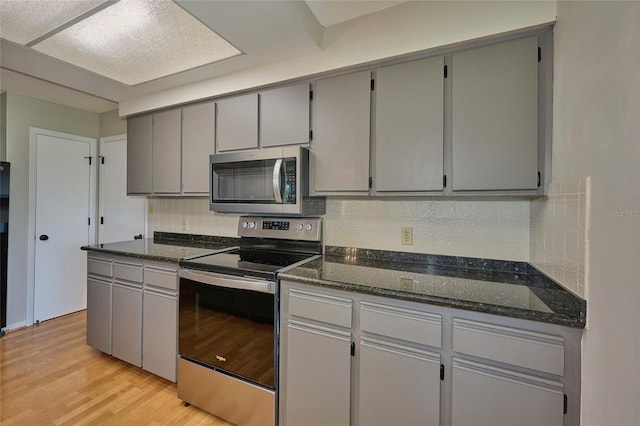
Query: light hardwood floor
point(49, 376)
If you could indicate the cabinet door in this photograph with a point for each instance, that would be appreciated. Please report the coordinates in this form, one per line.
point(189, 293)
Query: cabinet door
point(159, 345)
point(409, 126)
point(166, 152)
point(99, 314)
point(139, 131)
point(127, 324)
point(284, 116)
point(198, 142)
point(483, 395)
point(495, 117)
point(237, 123)
point(398, 385)
point(318, 376)
point(340, 146)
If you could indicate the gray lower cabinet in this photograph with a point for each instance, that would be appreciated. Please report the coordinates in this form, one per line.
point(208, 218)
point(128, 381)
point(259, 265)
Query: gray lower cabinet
point(237, 123)
point(487, 395)
point(160, 320)
point(340, 147)
point(159, 344)
point(318, 378)
point(99, 314)
point(132, 311)
point(409, 127)
point(398, 384)
point(494, 118)
point(127, 323)
point(416, 363)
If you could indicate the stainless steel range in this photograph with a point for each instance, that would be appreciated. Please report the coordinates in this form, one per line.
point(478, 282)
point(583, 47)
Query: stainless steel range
point(228, 319)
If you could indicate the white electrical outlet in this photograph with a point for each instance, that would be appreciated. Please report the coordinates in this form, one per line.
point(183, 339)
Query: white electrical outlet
point(406, 235)
point(185, 224)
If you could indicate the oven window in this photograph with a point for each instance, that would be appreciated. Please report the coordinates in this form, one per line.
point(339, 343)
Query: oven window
point(229, 329)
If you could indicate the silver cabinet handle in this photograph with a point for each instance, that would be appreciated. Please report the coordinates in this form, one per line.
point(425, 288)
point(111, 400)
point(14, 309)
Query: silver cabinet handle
point(276, 181)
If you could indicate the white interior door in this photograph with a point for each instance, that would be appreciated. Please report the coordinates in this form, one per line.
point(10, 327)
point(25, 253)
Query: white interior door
point(121, 217)
point(63, 208)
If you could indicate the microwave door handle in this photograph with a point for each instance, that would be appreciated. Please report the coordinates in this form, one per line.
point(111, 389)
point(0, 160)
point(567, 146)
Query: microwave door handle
point(277, 184)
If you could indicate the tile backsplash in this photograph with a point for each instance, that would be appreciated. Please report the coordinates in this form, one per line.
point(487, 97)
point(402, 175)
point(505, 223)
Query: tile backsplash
point(560, 234)
point(496, 229)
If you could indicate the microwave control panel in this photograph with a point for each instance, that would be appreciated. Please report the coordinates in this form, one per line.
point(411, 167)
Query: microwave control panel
point(289, 181)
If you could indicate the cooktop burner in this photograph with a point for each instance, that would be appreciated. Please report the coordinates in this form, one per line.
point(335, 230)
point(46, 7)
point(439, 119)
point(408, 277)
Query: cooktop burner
point(263, 264)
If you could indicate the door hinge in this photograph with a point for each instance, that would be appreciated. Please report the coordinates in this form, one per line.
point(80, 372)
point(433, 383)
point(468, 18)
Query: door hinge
point(102, 159)
point(539, 54)
point(89, 221)
point(444, 181)
point(89, 158)
point(373, 84)
point(539, 179)
point(310, 135)
point(310, 95)
point(441, 371)
point(353, 348)
point(370, 182)
point(446, 71)
point(101, 220)
point(566, 404)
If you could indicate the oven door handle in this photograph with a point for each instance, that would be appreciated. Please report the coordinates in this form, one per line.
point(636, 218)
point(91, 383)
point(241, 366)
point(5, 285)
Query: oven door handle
point(228, 281)
point(277, 183)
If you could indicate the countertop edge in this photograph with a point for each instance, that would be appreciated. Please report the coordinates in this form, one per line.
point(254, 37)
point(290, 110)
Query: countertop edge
point(134, 255)
point(550, 318)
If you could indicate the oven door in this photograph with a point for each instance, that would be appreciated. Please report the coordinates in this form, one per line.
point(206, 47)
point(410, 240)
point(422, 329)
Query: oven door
point(228, 323)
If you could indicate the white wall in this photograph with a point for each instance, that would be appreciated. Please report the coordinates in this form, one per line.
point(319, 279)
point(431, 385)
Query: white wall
point(490, 229)
point(597, 133)
point(22, 113)
point(404, 29)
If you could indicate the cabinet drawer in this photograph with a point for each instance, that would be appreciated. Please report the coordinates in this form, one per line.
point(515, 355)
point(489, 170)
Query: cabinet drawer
point(164, 278)
point(128, 272)
point(528, 349)
point(401, 323)
point(320, 307)
point(99, 267)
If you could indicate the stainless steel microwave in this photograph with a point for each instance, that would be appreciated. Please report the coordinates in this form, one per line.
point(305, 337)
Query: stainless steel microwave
point(265, 181)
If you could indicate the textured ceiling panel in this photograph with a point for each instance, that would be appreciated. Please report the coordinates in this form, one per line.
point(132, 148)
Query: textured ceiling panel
point(135, 41)
point(22, 21)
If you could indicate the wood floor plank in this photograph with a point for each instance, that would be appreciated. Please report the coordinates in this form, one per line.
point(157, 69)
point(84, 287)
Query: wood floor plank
point(49, 376)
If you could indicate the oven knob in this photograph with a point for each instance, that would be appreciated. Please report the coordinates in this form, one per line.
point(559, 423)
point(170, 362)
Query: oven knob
point(244, 225)
point(308, 227)
point(299, 227)
point(252, 225)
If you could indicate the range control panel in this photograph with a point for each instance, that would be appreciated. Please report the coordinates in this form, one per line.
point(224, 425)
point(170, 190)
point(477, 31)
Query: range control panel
point(307, 229)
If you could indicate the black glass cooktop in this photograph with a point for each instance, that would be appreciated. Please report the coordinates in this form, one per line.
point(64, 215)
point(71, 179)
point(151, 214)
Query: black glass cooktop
point(255, 263)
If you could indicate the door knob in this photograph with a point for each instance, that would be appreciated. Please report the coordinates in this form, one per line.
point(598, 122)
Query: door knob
point(44, 237)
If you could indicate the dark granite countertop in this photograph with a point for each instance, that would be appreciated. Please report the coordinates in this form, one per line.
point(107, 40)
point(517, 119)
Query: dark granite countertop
point(167, 247)
point(513, 289)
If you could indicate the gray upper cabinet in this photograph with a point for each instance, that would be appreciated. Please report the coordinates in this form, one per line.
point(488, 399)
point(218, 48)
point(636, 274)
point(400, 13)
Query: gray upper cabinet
point(237, 123)
point(167, 132)
point(284, 116)
point(198, 141)
point(340, 146)
point(409, 126)
point(139, 131)
point(495, 117)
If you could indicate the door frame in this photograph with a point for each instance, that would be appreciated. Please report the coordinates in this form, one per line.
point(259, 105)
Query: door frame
point(34, 132)
point(100, 199)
